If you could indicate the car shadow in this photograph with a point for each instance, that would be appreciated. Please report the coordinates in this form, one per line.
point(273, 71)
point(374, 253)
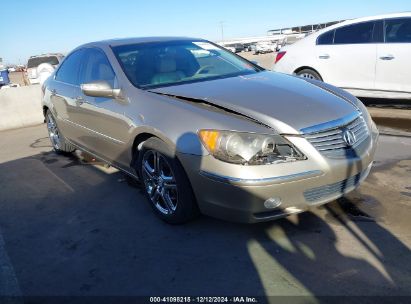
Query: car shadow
point(73, 229)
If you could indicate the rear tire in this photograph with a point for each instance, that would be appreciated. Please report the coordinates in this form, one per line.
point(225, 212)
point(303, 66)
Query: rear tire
point(165, 183)
point(310, 74)
point(58, 142)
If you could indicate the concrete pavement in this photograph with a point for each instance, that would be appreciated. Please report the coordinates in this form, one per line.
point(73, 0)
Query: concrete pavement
point(72, 228)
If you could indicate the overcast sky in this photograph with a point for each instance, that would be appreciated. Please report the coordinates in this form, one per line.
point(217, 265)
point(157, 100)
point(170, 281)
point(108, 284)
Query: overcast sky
point(31, 27)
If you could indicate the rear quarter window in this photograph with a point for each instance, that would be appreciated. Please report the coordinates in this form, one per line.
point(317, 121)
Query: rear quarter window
point(326, 38)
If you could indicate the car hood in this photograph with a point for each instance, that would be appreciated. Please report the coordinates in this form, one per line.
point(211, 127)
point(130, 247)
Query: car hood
point(282, 102)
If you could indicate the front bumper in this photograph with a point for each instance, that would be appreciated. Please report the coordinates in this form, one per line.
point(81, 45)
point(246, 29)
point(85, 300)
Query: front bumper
point(238, 193)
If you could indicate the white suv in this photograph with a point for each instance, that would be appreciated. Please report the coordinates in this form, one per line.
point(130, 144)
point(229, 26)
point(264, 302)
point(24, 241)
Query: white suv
point(369, 57)
point(47, 61)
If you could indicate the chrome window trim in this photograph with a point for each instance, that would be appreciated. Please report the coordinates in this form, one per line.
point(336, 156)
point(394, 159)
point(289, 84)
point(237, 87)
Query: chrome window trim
point(261, 181)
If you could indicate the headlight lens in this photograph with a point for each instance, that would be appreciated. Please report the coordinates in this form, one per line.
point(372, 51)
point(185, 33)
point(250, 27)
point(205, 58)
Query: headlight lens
point(249, 148)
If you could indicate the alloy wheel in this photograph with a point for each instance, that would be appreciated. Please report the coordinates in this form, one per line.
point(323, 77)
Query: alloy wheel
point(54, 134)
point(308, 75)
point(159, 182)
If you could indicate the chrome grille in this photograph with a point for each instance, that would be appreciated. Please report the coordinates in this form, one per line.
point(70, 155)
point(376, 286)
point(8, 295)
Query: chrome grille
point(330, 141)
point(319, 193)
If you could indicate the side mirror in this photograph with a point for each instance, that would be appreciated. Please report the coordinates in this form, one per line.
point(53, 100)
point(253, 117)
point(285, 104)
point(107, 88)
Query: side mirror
point(100, 88)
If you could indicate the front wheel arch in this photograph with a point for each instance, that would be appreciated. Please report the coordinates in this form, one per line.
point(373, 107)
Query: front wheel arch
point(190, 208)
point(45, 109)
point(138, 141)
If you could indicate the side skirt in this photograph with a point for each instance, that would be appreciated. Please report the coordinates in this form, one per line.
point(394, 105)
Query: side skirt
point(118, 167)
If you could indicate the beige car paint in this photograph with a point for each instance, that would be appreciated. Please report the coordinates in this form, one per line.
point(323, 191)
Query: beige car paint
point(267, 103)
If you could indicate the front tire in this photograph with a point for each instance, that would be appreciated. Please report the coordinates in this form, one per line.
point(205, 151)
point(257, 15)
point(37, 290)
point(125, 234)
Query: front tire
point(310, 74)
point(165, 183)
point(59, 143)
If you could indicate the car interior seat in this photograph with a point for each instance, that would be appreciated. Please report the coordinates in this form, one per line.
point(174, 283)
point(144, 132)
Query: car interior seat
point(186, 62)
point(166, 71)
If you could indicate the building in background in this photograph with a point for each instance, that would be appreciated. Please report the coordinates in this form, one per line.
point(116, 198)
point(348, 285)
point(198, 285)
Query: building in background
point(279, 37)
point(302, 29)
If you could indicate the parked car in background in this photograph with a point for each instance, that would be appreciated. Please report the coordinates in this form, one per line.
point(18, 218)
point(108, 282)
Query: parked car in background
point(20, 68)
point(265, 47)
point(4, 77)
point(48, 62)
point(235, 48)
point(251, 47)
point(209, 133)
point(238, 47)
point(369, 57)
point(247, 47)
point(230, 48)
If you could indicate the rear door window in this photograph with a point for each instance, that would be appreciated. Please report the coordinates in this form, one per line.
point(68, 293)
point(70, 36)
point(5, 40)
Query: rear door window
point(355, 33)
point(69, 70)
point(398, 30)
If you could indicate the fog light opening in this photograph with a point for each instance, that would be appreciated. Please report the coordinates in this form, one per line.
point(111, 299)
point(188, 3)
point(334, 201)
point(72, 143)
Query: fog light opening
point(272, 202)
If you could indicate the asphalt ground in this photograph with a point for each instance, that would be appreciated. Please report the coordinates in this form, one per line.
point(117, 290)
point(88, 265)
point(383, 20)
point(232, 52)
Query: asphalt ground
point(71, 227)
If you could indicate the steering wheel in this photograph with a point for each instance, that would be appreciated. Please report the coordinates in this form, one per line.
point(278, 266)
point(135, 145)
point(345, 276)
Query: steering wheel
point(202, 69)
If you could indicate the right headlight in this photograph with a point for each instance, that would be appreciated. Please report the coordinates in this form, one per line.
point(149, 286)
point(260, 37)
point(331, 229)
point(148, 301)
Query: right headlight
point(249, 148)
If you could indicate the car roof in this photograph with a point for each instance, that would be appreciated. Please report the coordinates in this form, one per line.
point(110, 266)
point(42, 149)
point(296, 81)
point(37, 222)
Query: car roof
point(136, 40)
point(364, 19)
point(377, 17)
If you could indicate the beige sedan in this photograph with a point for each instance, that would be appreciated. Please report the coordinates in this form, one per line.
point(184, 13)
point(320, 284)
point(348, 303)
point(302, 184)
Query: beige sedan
point(206, 131)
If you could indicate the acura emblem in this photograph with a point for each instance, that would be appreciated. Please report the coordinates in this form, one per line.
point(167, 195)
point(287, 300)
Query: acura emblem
point(349, 137)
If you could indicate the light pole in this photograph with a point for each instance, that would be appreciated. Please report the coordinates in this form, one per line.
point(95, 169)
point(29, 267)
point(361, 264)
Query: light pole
point(222, 30)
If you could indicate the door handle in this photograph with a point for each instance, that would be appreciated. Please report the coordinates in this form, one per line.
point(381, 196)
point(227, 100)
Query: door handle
point(387, 57)
point(324, 56)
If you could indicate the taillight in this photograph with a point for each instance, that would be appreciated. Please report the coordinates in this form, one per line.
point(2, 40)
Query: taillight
point(279, 56)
